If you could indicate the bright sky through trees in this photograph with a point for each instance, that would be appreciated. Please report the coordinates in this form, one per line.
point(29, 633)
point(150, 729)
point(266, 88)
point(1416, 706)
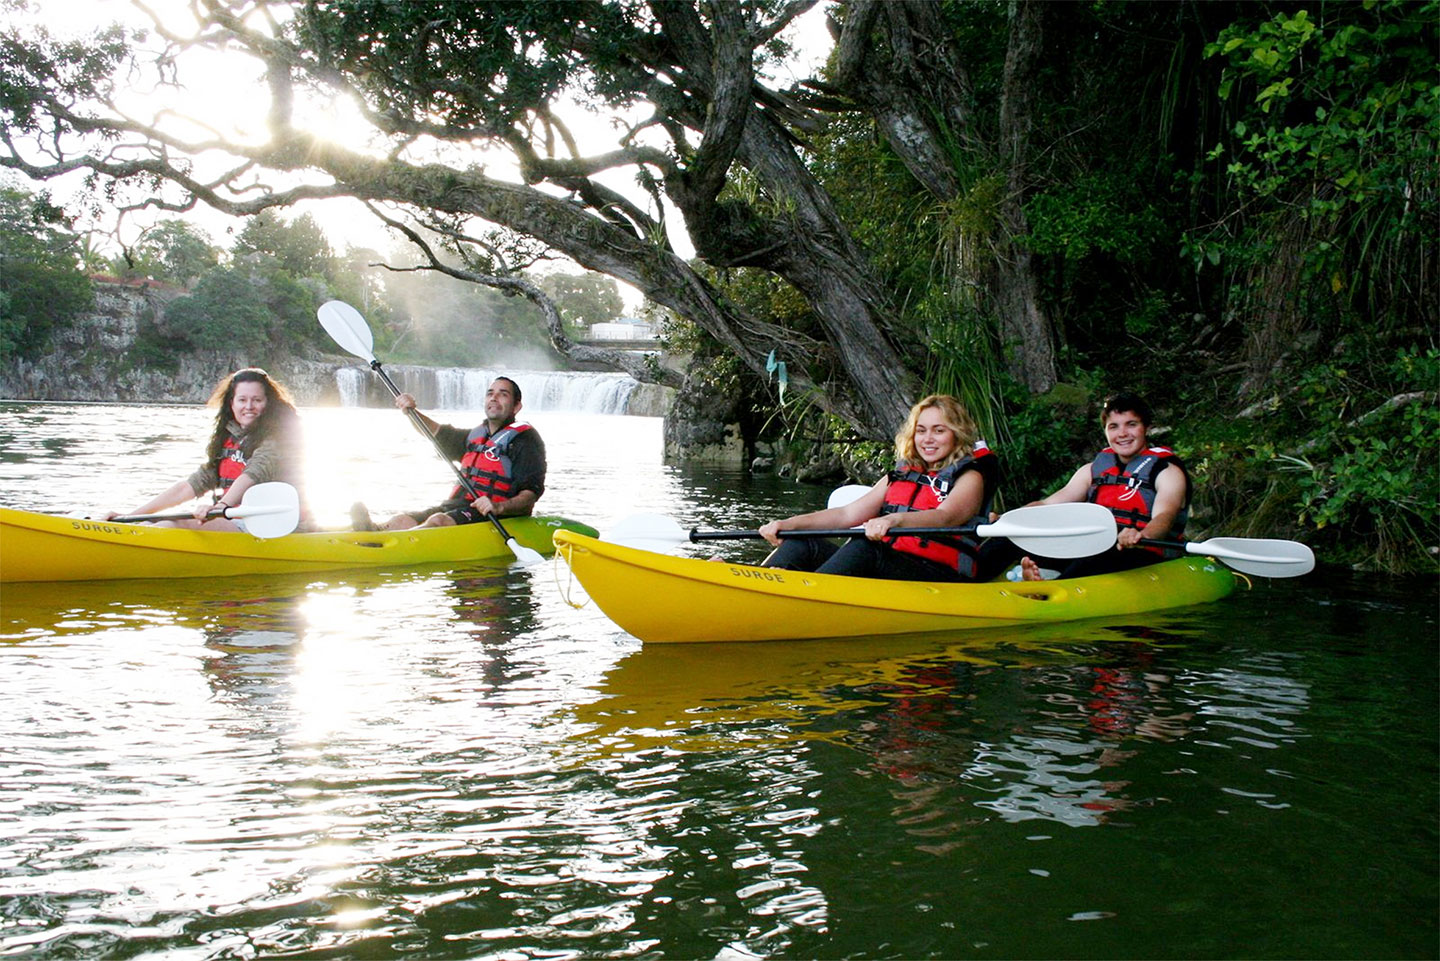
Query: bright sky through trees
point(222, 96)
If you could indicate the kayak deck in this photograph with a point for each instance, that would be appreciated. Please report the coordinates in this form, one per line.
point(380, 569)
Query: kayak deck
point(661, 598)
point(44, 547)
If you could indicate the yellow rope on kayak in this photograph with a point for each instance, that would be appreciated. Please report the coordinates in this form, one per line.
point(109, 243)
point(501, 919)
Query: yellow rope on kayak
point(565, 588)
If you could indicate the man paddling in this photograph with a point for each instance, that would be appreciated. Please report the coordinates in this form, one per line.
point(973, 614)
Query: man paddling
point(1145, 487)
point(503, 461)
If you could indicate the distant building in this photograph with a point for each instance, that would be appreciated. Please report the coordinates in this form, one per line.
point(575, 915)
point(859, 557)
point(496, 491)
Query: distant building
point(623, 328)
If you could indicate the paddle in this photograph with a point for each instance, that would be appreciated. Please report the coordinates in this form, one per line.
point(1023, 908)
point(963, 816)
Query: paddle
point(848, 494)
point(266, 510)
point(1249, 555)
point(348, 329)
point(1055, 530)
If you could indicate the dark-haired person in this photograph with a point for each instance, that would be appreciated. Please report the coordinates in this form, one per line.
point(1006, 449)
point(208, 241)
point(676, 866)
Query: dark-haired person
point(1146, 487)
point(256, 439)
point(504, 462)
point(944, 476)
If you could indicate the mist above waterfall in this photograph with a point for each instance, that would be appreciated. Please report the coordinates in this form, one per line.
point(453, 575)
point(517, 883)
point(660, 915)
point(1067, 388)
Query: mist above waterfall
point(444, 322)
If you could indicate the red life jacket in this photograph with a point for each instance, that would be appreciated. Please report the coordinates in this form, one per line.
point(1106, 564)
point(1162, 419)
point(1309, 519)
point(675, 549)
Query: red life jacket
point(231, 466)
point(1129, 490)
point(913, 490)
point(487, 464)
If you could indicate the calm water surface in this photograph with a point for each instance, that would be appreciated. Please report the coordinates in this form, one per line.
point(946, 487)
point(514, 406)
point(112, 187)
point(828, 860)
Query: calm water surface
point(458, 763)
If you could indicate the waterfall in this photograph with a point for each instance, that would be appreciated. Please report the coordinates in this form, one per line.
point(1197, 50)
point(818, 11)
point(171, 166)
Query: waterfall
point(462, 388)
point(351, 382)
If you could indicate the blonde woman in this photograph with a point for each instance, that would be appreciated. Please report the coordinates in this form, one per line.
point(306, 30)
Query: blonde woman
point(944, 476)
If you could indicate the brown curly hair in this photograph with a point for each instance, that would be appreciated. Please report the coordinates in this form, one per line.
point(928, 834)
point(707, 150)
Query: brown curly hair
point(279, 414)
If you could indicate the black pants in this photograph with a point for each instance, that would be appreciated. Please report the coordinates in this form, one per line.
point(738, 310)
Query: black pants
point(857, 557)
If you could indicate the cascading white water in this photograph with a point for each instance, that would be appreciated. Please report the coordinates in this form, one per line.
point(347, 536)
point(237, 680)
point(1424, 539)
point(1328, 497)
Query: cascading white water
point(460, 388)
point(351, 383)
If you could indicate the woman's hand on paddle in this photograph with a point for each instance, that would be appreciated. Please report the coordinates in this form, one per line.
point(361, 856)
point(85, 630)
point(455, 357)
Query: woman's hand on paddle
point(771, 532)
point(878, 528)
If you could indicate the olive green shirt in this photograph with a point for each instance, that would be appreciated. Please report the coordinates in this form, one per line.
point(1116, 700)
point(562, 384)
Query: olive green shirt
point(276, 458)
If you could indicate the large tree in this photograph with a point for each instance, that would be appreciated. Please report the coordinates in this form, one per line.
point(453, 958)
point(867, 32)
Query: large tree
point(456, 80)
point(173, 251)
point(41, 284)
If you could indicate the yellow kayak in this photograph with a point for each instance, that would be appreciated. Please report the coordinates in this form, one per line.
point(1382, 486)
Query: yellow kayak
point(661, 598)
point(45, 547)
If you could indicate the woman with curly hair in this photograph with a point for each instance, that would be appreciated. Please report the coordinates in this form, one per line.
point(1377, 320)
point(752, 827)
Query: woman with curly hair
point(256, 439)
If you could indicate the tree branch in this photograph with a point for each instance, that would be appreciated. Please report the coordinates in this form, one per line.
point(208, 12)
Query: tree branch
point(636, 365)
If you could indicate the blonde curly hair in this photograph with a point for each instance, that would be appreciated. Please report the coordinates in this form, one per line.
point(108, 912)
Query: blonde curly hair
point(955, 416)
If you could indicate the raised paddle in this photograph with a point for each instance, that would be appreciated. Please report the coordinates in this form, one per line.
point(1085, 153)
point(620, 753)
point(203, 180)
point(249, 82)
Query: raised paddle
point(1055, 530)
point(1262, 557)
point(267, 510)
point(348, 329)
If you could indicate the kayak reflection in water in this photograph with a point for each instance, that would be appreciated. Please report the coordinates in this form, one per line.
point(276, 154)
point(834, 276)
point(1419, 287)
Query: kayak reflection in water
point(256, 439)
point(944, 476)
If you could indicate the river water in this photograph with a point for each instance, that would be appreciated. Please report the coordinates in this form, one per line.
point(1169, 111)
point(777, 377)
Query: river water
point(458, 763)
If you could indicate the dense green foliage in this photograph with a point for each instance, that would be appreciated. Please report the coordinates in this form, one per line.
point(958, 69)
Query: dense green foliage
point(1237, 215)
point(298, 247)
point(173, 250)
point(256, 307)
point(1328, 253)
point(583, 299)
point(41, 284)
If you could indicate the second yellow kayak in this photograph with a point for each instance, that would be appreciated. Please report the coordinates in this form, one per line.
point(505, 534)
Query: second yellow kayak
point(662, 598)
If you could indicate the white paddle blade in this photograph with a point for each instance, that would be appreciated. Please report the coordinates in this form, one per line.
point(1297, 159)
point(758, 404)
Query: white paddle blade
point(848, 494)
point(647, 532)
point(347, 328)
point(267, 510)
point(1258, 556)
point(524, 556)
point(1056, 530)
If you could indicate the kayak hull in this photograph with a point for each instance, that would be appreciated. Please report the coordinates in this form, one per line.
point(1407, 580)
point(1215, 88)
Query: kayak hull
point(661, 598)
point(44, 547)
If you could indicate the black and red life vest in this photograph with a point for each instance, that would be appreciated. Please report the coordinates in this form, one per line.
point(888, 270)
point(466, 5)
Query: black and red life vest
point(487, 464)
point(914, 490)
point(231, 465)
point(1128, 490)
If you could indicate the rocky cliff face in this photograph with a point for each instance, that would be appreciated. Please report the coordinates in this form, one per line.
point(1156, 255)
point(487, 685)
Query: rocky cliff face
point(93, 360)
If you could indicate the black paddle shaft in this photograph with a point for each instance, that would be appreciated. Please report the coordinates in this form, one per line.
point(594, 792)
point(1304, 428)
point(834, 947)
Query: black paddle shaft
point(698, 536)
point(425, 429)
point(143, 518)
